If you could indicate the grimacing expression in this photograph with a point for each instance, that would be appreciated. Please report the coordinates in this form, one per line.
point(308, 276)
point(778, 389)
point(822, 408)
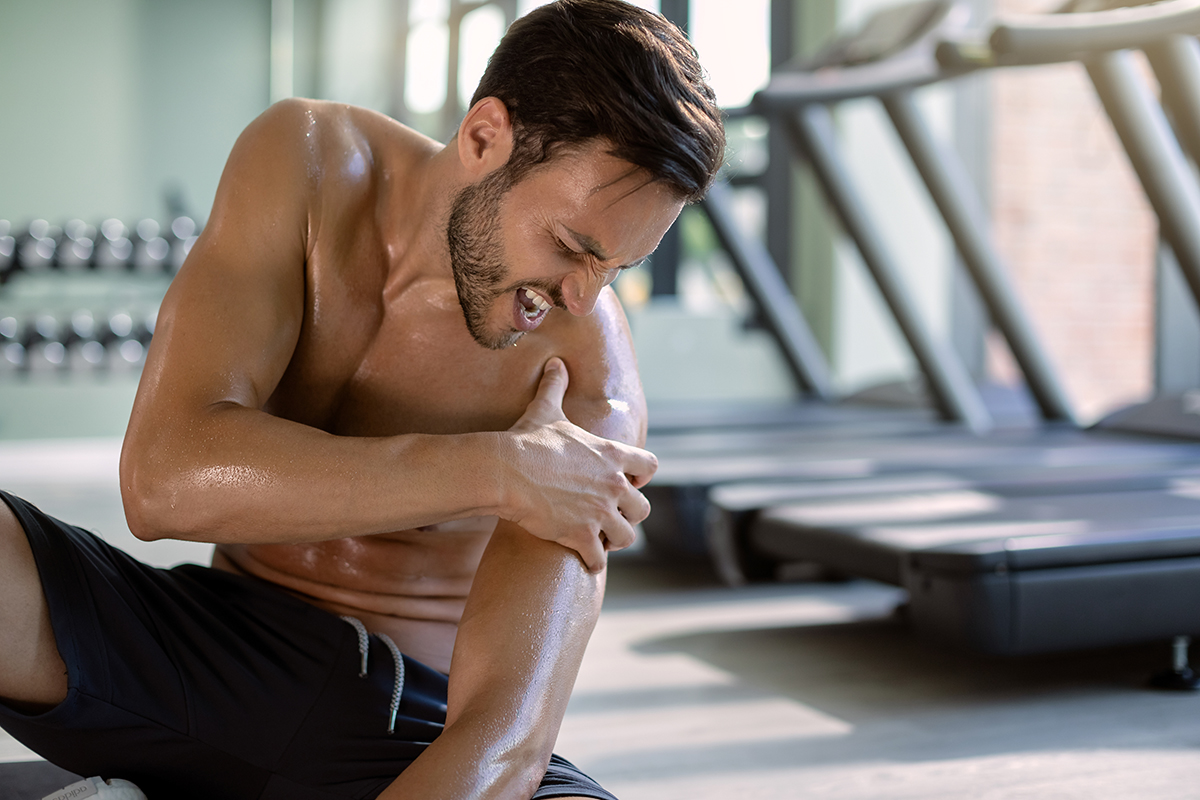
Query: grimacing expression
point(527, 241)
point(477, 257)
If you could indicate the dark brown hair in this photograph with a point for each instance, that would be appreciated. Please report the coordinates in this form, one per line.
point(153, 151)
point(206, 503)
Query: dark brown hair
point(578, 70)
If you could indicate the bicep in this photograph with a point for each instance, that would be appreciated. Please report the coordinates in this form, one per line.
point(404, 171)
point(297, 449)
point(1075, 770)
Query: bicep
point(604, 394)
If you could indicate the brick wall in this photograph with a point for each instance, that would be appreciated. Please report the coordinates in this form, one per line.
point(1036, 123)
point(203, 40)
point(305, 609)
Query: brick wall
point(1076, 230)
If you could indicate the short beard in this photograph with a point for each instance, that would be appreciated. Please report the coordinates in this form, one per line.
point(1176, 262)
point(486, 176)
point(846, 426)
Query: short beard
point(476, 259)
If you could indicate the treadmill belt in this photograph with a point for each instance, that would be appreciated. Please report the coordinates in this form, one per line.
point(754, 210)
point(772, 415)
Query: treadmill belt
point(974, 530)
point(728, 457)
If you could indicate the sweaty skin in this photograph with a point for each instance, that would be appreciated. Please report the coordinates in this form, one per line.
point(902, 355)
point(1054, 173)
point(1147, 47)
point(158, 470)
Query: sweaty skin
point(314, 341)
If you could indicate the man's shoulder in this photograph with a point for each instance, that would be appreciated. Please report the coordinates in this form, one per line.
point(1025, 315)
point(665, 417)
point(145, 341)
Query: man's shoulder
point(336, 140)
point(605, 393)
point(599, 343)
point(593, 335)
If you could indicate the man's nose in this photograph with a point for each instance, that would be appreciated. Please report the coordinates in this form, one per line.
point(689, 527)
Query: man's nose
point(580, 291)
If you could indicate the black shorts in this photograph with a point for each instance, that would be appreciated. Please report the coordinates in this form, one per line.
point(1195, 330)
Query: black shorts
point(198, 684)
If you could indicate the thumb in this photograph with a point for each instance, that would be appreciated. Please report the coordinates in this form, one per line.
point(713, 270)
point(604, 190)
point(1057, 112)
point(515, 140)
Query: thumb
point(552, 387)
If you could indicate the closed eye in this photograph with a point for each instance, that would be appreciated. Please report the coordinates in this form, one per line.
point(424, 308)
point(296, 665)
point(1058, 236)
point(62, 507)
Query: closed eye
point(592, 249)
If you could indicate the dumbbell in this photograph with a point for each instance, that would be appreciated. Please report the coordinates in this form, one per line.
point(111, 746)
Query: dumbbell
point(114, 248)
point(150, 250)
point(76, 246)
point(124, 339)
point(43, 340)
point(47, 343)
point(12, 349)
point(35, 248)
point(84, 350)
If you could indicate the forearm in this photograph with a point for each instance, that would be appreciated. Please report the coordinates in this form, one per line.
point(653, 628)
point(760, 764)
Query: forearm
point(527, 622)
point(236, 474)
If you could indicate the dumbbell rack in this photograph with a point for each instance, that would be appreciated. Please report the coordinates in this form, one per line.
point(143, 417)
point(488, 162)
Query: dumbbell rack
point(79, 298)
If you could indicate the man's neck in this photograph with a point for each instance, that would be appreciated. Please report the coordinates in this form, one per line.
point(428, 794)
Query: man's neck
point(417, 208)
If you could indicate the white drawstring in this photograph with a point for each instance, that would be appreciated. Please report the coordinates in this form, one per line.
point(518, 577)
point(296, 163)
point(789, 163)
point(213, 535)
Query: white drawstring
point(364, 646)
point(398, 684)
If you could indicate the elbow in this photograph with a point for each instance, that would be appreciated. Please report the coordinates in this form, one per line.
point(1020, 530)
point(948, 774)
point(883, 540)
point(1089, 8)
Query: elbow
point(140, 527)
point(144, 507)
point(177, 504)
point(149, 495)
point(158, 512)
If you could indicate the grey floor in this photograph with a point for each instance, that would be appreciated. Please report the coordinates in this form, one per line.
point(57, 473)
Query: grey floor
point(691, 690)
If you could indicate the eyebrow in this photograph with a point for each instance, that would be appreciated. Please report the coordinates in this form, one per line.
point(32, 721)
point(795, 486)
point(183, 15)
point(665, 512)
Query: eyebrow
point(594, 248)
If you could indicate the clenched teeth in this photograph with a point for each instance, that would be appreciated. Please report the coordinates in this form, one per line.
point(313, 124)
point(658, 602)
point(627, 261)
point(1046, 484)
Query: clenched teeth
point(537, 300)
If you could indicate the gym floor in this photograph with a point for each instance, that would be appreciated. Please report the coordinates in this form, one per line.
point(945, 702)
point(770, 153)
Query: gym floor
point(692, 690)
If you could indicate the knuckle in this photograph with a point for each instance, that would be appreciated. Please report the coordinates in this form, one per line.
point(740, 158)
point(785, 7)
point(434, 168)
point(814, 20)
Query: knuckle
point(616, 483)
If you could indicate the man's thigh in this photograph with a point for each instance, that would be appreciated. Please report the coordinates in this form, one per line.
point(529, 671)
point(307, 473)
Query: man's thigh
point(197, 683)
point(171, 669)
point(32, 673)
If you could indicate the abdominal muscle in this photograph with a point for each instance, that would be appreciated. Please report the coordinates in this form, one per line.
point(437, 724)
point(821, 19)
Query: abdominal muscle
point(411, 585)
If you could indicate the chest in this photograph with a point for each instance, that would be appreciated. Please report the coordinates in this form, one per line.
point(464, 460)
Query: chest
point(424, 373)
point(403, 362)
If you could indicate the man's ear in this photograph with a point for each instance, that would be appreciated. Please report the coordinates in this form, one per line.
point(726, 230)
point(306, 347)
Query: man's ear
point(484, 138)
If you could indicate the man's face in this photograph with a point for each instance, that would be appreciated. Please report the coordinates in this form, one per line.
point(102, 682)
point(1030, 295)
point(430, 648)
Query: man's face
point(553, 240)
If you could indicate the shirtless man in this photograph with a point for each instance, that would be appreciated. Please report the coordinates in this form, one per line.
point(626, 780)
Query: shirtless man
point(379, 478)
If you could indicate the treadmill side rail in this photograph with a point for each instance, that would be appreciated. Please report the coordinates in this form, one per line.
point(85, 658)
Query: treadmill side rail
point(956, 396)
point(772, 296)
point(1049, 610)
point(1049, 38)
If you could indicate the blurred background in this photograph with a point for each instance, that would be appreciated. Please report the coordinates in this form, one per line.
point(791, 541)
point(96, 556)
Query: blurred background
point(125, 110)
point(116, 117)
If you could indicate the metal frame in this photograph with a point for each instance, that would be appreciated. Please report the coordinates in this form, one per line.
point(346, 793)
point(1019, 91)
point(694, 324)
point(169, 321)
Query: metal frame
point(1155, 154)
point(963, 213)
point(956, 397)
point(1054, 38)
point(802, 98)
point(1176, 63)
point(664, 264)
point(779, 312)
point(1102, 41)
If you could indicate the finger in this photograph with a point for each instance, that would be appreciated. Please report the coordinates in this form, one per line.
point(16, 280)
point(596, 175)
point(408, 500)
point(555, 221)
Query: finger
point(634, 506)
point(592, 552)
point(553, 385)
point(620, 533)
point(638, 465)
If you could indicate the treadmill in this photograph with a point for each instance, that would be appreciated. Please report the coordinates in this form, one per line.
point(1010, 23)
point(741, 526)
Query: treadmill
point(676, 526)
point(955, 400)
point(890, 57)
point(1012, 561)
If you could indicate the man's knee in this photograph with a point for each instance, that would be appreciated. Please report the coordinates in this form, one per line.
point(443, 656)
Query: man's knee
point(32, 673)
